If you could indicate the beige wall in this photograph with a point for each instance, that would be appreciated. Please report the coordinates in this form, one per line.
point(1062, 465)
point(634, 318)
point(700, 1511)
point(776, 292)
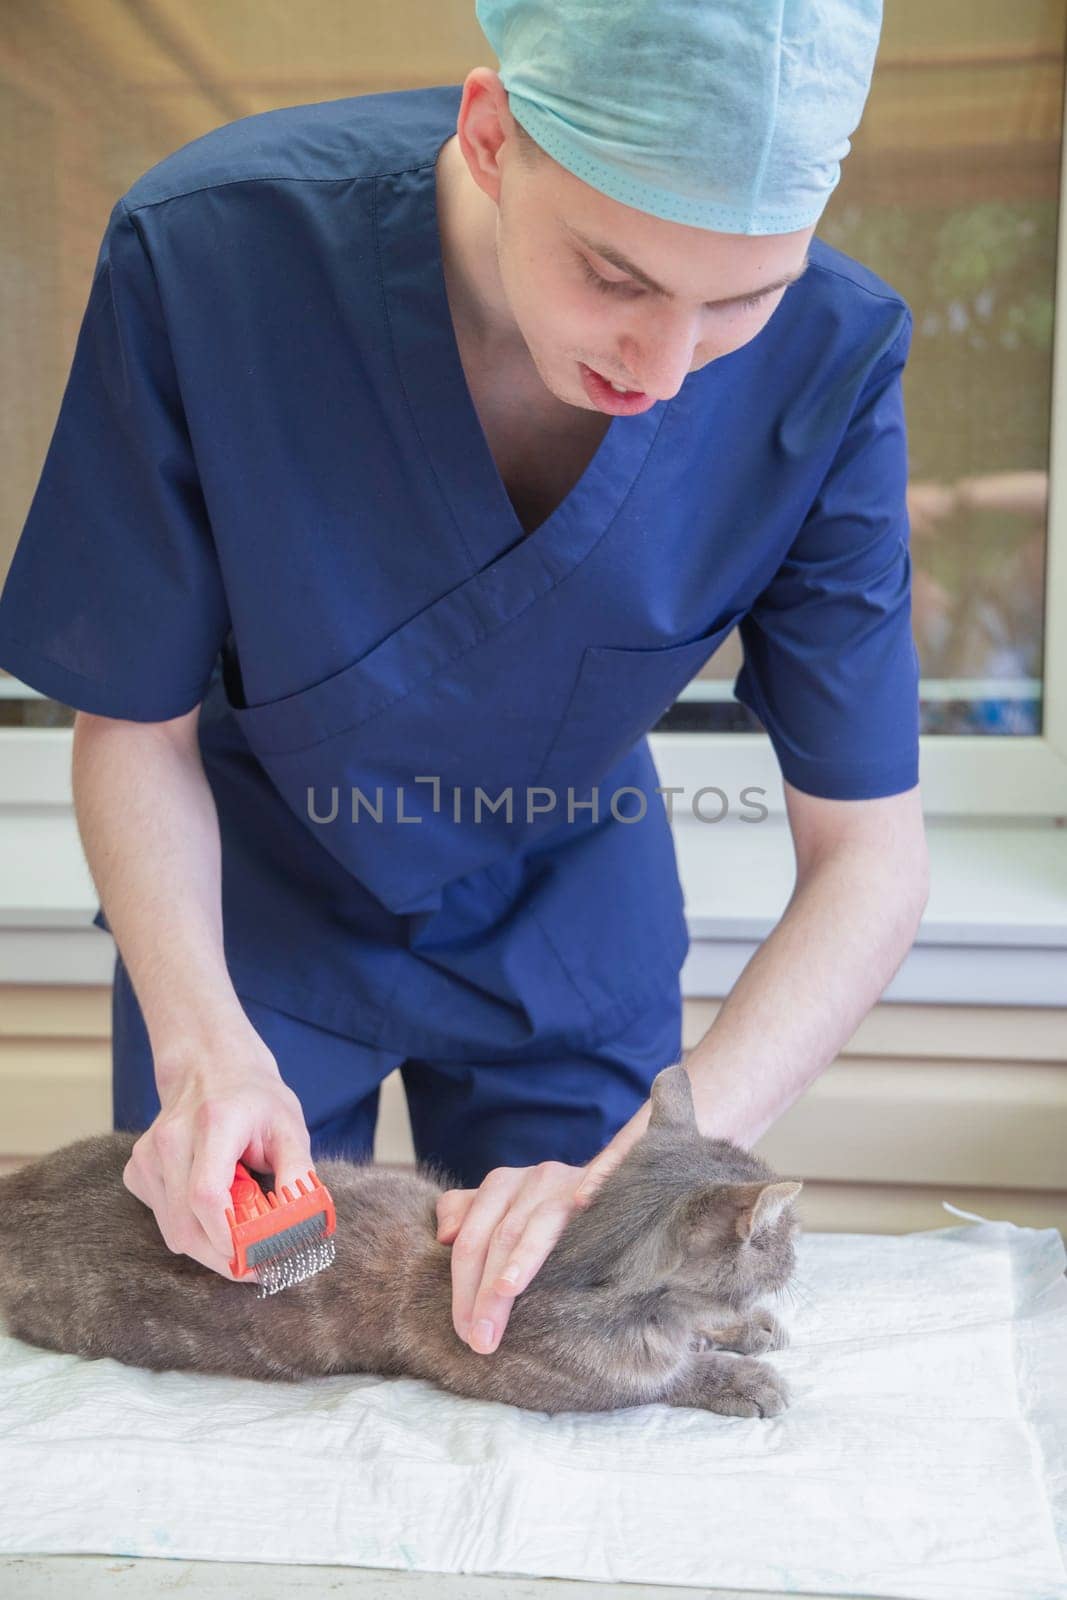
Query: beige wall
point(926, 1103)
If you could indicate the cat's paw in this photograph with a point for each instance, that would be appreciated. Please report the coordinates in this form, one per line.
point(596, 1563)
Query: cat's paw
point(750, 1389)
point(754, 1335)
point(762, 1332)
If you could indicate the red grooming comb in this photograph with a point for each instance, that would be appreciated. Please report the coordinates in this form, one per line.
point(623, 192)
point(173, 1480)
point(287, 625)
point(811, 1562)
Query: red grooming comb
point(283, 1241)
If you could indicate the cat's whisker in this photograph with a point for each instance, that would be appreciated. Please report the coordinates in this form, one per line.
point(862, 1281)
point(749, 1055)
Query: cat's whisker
point(797, 1295)
point(801, 1293)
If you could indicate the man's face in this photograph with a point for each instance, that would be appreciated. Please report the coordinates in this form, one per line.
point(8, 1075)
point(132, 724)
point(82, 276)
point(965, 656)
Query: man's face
point(572, 304)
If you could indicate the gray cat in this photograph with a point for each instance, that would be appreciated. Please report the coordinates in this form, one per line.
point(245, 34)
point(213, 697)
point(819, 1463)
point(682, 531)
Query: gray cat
point(638, 1299)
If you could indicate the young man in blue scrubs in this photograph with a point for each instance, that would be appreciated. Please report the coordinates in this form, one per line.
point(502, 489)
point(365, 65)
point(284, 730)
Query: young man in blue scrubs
point(408, 468)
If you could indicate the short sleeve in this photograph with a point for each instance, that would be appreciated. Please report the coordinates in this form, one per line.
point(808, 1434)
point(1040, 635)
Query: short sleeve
point(114, 603)
point(830, 666)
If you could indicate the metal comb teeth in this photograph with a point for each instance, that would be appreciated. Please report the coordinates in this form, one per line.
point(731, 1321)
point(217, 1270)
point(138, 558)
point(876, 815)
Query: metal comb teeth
point(305, 1253)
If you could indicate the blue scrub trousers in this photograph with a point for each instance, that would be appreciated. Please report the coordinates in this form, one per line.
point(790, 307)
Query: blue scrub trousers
point(468, 1117)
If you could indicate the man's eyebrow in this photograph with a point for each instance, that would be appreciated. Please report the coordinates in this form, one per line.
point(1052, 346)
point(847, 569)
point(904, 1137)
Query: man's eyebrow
point(617, 259)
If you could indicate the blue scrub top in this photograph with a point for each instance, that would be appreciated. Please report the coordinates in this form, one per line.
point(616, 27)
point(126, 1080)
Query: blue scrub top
point(269, 489)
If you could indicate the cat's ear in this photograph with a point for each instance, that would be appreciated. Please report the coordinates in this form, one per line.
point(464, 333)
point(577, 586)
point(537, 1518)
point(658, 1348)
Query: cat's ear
point(671, 1100)
point(760, 1204)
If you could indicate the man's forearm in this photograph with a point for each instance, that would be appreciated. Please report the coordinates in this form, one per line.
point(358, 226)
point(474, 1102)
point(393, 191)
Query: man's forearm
point(149, 829)
point(846, 931)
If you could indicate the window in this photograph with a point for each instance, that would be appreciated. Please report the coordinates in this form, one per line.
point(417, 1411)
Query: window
point(951, 193)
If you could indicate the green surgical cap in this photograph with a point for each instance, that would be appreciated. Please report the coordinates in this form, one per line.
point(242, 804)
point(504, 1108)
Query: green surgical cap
point(732, 115)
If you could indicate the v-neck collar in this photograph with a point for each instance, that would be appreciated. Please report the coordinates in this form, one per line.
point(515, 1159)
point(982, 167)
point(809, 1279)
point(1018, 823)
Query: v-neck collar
point(442, 407)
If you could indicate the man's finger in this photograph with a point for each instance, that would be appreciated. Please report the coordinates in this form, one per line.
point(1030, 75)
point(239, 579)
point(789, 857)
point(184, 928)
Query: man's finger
point(588, 1187)
point(471, 1247)
point(544, 1227)
point(490, 1305)
point(452, 1207)
point(495, 1297)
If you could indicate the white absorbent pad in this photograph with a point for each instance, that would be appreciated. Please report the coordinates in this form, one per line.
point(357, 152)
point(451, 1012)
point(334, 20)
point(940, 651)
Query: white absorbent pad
point(924, 1453)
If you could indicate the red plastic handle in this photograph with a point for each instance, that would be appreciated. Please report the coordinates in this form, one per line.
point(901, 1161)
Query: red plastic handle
point(244, 1188)
point(255, 1215)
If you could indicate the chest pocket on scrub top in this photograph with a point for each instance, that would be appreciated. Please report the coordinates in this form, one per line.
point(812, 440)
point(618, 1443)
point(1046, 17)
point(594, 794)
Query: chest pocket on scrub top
point(620, 693)
point(446, 694)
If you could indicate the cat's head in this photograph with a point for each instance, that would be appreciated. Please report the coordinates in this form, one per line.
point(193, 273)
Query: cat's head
point(689, 1211)
point(734, 1225)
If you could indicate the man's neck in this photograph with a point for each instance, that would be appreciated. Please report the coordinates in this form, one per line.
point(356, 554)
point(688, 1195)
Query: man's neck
point(467, 225)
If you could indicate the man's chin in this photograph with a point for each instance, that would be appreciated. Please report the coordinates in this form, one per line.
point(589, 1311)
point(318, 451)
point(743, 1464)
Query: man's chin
point(567, 389)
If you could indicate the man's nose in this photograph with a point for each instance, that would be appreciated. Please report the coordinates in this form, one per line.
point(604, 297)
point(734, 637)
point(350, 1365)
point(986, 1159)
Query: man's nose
point(663, 354)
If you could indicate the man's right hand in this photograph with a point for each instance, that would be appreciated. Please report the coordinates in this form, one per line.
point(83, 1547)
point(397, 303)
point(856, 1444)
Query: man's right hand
point(214, 1114)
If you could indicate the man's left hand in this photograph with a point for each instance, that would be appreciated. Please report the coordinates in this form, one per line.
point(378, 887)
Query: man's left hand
point(512, 1220)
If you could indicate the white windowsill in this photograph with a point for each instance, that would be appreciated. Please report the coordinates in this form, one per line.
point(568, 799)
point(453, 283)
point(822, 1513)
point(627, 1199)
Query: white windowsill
point(994, 932)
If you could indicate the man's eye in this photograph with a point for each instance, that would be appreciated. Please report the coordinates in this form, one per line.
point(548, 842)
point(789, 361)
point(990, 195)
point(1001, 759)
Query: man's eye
point(606, 286)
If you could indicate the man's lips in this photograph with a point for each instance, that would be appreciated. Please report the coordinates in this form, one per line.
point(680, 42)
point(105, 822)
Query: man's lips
point(625, 387)
point(605, 398)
